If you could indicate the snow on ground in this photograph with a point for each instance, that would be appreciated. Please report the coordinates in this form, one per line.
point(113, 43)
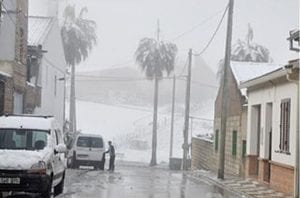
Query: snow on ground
point(130, 129)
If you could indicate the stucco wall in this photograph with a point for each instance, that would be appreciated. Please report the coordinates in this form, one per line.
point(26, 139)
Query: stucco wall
point(272, 94)
point(52, 68)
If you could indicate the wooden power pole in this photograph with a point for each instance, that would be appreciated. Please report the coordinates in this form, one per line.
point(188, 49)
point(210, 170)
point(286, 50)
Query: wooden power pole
point(225, 93)
point(172, 117)
point(185, 145)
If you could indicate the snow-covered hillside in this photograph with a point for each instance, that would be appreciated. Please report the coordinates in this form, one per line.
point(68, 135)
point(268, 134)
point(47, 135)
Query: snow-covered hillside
point(130, 128)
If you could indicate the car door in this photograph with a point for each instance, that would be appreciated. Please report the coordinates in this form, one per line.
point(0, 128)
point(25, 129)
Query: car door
point(58, 160)
point(96, 148)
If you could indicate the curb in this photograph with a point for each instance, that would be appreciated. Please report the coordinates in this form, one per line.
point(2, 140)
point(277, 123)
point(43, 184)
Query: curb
point(217, 183)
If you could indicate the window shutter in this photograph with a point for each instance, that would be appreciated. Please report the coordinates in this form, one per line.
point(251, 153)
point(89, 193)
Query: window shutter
point(234, 142)
point(217, 140)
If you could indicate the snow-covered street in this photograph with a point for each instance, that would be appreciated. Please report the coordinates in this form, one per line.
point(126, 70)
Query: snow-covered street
point(137, 181)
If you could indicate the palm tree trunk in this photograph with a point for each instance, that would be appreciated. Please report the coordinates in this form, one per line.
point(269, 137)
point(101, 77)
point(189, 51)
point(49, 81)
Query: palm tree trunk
point(154, 129)
point(72, 102)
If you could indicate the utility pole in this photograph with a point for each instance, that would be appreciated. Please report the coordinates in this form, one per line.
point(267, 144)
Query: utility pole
point(172, 117)
point(72, 102)
point(225, 93)
point(185, 145)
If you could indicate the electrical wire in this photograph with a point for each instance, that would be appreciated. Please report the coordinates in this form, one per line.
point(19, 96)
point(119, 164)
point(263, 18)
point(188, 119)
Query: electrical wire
point(6, 10)
point(183, 69)
point(214, 34)
point(53, 65)
point(198, 25)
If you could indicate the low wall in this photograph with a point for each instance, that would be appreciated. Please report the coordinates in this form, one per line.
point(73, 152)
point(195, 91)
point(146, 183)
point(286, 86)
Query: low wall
point(203, 156)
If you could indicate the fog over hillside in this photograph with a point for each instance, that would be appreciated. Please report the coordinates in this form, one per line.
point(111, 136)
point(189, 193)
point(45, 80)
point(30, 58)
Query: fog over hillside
point(127, 85)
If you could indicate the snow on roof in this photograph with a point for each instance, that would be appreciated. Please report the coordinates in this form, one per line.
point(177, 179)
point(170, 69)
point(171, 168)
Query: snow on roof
point(26, 122)
point(38, 29)
point(244, 71)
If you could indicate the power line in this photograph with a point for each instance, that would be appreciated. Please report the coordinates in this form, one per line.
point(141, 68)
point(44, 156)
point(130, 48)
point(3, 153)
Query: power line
point(7, 13)
point(197, 26)
point(214, 34)
point(114, 79)
point(53, 65)
point(184, 67)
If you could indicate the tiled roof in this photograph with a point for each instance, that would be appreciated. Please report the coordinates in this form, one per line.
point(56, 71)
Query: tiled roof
point(38, 29)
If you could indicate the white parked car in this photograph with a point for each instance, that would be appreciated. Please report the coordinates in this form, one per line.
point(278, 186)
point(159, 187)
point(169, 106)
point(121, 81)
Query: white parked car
point(87, 150)
point(32, 155)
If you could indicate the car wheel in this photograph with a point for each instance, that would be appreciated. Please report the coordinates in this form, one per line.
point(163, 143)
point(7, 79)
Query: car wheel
point(59, 188)
point(48, 192)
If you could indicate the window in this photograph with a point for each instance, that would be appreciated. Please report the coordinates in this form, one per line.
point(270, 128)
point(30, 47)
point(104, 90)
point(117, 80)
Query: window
point(217, 140)
point(18, 103)
point(234, 142)
point(90, 142)
point(23, 139)
point(2, 89)
point(285, 108)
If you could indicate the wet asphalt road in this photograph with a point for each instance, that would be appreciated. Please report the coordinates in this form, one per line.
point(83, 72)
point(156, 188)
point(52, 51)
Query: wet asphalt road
point(137, 182)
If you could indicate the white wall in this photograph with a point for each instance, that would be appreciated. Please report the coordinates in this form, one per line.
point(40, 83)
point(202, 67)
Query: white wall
point(7, 32)
point(53, 67)
point(274, 95)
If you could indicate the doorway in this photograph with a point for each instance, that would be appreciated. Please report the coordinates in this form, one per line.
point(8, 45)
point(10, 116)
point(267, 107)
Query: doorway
point(268, 136)
point(256, 137)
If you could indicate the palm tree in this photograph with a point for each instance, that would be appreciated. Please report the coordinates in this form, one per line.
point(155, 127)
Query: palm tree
point(247, 51)
point(79, 37)
point(155, 58)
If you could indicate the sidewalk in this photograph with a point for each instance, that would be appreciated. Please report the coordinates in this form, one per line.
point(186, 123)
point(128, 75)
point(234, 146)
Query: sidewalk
point(244, 187)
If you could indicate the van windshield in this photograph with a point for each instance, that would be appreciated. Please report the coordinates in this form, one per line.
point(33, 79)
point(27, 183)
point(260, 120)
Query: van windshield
point(23, 139)
point(90, 142)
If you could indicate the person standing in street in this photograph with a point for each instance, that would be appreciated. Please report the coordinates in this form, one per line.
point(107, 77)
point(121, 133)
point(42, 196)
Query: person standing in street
point(111, 152)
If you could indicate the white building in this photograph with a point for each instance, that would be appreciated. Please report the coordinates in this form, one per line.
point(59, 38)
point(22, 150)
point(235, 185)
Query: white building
point(44, 34)
point(273, 122)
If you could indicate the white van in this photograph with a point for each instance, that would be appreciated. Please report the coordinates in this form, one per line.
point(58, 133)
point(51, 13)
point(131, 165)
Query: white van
point(32, 155)
point(87, 150)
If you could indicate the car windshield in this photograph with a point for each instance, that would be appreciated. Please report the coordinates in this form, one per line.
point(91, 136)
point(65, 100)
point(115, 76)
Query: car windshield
point(91, 142)
point(20, 139)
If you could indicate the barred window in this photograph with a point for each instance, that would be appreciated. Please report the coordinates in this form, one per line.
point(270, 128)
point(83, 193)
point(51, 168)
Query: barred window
point(285, 109)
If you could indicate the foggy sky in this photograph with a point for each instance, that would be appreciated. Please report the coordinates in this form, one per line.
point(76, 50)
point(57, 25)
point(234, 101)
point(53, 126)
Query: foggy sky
point(122, 23)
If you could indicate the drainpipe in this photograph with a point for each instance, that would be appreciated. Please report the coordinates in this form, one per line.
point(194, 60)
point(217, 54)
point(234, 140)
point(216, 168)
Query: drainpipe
point(296, 175)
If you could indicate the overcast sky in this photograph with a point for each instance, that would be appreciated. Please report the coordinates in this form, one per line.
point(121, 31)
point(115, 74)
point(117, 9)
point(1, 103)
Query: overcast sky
point(122, 23)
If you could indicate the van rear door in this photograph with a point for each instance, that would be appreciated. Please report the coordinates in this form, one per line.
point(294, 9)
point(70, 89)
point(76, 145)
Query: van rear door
point(90, 148)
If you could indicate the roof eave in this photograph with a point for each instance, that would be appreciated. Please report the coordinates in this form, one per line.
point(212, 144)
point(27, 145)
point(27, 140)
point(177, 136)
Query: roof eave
point(263, 79)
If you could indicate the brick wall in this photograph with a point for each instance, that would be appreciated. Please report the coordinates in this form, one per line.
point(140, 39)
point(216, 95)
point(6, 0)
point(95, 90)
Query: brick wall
point(251, 166)
point(282, 178)
point(236, 121)
point(203, 155)
point(234, 164)
point(263, 173)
